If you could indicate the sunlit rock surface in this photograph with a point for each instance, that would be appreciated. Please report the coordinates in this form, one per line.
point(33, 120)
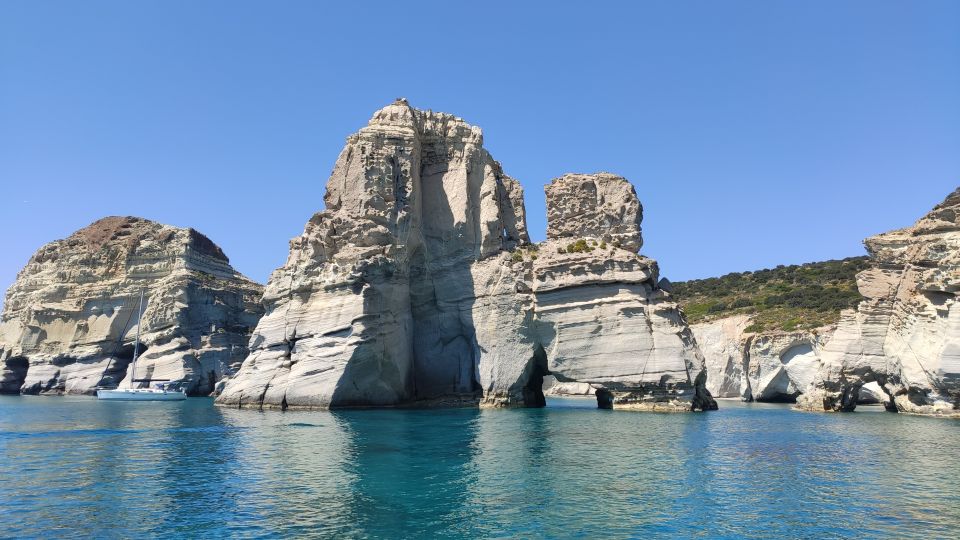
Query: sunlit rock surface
point(551, 387)
point(905, 335)
point(602, 206)
point(70, 319)
point(769, 366)
point(418, 286)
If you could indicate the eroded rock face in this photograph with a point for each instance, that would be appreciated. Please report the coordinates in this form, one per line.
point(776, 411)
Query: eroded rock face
point(770, 366)
point(603, 206)
point(906, 334)
point(418, 285)
point(70, 318)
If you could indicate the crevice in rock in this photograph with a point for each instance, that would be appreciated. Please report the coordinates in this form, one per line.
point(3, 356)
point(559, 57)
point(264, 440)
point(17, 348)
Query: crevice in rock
point(263, 396)
point(745, 363)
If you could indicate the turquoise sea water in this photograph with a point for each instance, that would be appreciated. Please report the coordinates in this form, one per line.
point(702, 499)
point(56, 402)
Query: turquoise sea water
point(74, 466)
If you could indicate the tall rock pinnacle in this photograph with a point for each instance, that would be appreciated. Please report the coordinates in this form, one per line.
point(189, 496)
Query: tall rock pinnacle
point(418, 284)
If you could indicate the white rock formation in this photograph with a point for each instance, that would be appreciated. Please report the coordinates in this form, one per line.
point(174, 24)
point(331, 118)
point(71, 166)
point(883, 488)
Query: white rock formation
point(417, 285)
point(69, 320)
point(906, 334)
point(770, 366)
point(724, 346)
point(552, 387)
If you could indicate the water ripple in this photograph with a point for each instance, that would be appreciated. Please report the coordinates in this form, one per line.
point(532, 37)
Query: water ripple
point(76, 467)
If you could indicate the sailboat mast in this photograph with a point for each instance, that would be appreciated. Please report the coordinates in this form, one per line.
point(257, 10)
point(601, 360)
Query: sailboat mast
point(136, 344)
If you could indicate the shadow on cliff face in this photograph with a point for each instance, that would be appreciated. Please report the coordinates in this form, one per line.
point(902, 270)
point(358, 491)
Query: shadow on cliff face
point(444, 344)
point(445, 350)
point(434, 320)
point(117, 369)
point(118, 365)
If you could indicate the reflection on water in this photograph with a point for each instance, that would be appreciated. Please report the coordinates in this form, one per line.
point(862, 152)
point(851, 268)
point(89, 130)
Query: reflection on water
point(79, 467)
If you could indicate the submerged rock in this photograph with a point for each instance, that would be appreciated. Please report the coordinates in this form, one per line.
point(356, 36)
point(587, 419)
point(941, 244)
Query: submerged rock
point(70, 319)
point(905, 335)
point(418, 285)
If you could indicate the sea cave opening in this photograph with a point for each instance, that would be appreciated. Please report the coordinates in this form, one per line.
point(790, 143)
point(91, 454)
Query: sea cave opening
point(872, 393)
point(537, 370)
point(778, 390)
point(15, 373)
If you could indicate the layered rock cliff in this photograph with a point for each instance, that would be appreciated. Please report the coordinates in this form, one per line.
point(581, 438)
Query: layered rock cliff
point(418, 285)
point(905, 335)
point(70, 319)
point(772, 366)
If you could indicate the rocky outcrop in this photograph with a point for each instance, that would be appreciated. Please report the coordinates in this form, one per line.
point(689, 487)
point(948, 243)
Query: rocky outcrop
point(418, 286)
point(905, 335)
point(70, 319)
point(724, 346)
point(603, 206)
point(768, 366)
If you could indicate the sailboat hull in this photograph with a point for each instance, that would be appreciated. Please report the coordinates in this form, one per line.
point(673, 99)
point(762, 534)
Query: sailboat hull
point(141, 394)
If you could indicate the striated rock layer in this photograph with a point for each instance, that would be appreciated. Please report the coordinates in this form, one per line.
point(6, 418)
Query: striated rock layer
point(418, 286)
point(768, 366)
point(70, 319)
point(905, 336)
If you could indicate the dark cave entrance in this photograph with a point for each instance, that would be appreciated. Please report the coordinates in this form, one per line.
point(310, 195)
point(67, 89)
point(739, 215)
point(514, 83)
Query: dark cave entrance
point(604, 399)
point(16, 373)
point(533, 389)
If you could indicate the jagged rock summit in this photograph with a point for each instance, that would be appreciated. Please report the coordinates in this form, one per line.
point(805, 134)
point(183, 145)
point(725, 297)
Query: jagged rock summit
point(418, 286)
point(905, 335)
point(601, 205)
point(70, 319)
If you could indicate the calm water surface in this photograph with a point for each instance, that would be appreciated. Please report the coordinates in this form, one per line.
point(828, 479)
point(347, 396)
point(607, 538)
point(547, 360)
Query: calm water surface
point(74, 466)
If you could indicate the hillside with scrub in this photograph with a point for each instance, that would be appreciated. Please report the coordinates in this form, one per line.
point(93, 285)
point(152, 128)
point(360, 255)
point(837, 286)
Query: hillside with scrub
point(783, 298)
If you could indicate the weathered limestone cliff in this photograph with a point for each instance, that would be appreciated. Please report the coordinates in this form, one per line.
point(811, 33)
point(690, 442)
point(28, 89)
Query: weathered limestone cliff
point(905, 335)
point(418, 285)
point(773, 366)
point(70, 318)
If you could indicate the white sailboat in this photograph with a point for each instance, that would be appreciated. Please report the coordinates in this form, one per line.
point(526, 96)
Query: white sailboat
point(158, 393)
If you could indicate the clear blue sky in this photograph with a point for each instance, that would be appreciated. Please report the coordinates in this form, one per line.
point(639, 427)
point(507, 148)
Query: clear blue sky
point(757, 133)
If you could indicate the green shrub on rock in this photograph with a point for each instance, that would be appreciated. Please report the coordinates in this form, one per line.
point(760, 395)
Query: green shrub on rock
point(786, 297)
